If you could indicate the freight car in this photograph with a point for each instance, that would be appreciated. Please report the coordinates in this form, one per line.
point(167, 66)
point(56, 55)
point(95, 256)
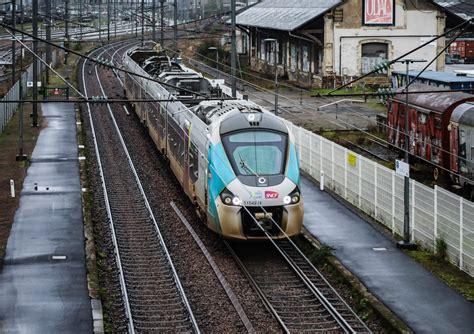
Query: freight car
point(235, 161)
point(439, 131)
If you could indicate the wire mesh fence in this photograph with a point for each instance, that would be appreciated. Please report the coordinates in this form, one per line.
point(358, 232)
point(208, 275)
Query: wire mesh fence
point(378, 191)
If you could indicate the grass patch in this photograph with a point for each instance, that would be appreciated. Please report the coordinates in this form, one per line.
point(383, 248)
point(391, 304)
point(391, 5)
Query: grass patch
point(447, 272)
point(353, 90)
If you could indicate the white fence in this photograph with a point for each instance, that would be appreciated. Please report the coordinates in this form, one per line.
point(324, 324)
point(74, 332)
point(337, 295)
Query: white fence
point(378, 191)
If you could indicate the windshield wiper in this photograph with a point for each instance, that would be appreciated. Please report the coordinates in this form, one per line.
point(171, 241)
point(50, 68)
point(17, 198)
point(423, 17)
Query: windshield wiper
point(245, 165)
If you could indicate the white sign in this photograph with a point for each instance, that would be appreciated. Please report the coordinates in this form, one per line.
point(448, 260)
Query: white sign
point(29, 84)
point(402, 168)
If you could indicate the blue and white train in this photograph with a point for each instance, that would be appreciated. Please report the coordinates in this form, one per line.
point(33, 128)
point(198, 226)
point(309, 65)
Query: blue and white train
point(235, 161)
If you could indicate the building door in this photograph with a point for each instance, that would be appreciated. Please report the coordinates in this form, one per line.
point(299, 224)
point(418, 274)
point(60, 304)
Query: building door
point(372, 55)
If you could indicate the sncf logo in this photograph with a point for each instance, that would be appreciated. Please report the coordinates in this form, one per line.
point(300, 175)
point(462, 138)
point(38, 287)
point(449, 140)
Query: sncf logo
point(271, 194)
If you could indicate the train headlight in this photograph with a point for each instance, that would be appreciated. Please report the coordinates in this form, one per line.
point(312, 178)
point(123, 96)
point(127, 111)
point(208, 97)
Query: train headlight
point(292, 198)
point(230, 199)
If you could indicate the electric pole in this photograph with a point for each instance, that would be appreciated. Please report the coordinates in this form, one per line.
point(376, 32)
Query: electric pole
point(233, 60)
point(34, 114)
point(153, 9)
point(66, 29)
point(13, 42)
point(162, 17)
point(175, 10)
point(108, 20)
point(47, 3)
point(143, 21)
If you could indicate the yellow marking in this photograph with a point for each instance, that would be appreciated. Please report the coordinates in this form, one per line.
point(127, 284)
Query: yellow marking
point(352, 159)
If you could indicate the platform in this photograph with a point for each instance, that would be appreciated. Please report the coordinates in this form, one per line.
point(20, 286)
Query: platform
point(422, 301)
point(43, 285)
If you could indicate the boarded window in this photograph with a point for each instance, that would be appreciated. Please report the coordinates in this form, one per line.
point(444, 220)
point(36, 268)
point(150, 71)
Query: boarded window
point(293, 57)
point(372, 55)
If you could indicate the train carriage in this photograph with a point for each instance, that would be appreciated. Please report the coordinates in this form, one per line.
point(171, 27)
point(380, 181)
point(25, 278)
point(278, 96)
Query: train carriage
point(235, 161)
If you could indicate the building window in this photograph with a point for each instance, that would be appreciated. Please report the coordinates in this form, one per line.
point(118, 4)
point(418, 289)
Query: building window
point(372, 55)
point(305, 58)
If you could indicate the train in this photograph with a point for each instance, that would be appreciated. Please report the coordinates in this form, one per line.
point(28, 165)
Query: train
point(235, 161)
point(441, 130)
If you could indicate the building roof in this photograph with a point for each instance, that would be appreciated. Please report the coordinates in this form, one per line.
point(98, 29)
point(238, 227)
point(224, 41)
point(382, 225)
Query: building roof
point(445, 77)
point(464, 10)
point(284, 14)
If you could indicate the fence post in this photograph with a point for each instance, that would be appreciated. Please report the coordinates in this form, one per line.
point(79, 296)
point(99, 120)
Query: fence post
point(332, 165)
point(360, 180)
point(375, 191)
point(435, 216)
point(321, 156)
point(310, 153)
point(412, 203)
point(345, 173)
point(393, 203)
point(461, 234)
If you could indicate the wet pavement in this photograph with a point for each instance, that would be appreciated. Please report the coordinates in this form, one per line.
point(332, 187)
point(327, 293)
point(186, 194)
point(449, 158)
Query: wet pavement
point(43, 285)
point(422, 301)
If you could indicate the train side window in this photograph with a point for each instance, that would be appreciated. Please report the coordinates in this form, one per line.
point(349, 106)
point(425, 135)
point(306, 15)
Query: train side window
point(437, 121)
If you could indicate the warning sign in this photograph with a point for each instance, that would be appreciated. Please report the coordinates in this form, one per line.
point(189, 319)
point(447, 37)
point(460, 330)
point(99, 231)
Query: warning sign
point(351, 159)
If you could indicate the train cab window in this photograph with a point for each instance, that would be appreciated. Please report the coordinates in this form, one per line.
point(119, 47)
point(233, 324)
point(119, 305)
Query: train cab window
point(256, 152)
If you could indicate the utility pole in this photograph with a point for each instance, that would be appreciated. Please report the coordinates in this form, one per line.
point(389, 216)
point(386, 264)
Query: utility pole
point(80, 19)
point(100, 23)
point(13, 3)
point(153, 9)
point(66, 29)
point(47, 3)
point(34, 114)
point(175, 11)
point(162, 18)
point(108, 20)
point(21, 155)
point(13, 42)
point(406, 243)
point(143, 21)
point(233, 60)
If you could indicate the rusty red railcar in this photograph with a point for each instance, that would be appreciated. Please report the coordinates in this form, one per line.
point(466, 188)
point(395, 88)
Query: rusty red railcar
point(429, 116)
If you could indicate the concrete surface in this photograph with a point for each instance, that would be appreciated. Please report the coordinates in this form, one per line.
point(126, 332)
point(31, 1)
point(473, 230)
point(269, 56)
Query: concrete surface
point(421, 300)
point(38, 293)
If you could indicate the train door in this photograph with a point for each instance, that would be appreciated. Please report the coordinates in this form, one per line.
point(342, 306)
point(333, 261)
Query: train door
point(187, 144)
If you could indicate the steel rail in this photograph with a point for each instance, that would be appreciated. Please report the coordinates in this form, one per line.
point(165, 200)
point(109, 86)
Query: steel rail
point(123, 286)
point(268, 305)
point(225, 285)
point(151, 214)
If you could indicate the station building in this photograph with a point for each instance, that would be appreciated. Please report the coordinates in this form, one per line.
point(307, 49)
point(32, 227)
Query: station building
point(320, 39)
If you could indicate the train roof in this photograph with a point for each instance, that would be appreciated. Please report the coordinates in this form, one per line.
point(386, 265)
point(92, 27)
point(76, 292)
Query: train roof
point(464, 114)
point(431, 100)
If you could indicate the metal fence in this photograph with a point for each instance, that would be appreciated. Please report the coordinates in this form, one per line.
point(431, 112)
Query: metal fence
point(8, 109)
point(378, 192)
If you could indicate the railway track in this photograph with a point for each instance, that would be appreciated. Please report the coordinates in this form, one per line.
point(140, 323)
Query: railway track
point(152, 293)
point(293, 290)
point(299, 304)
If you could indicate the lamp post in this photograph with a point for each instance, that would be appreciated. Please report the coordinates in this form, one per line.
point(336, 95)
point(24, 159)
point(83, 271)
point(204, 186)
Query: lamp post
point(274, 44)
point(217, 58)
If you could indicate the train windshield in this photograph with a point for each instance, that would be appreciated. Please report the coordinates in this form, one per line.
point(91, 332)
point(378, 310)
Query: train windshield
point(256, 152)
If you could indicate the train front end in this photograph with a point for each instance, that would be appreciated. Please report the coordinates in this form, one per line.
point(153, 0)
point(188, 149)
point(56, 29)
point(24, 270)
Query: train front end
point(253, 178)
